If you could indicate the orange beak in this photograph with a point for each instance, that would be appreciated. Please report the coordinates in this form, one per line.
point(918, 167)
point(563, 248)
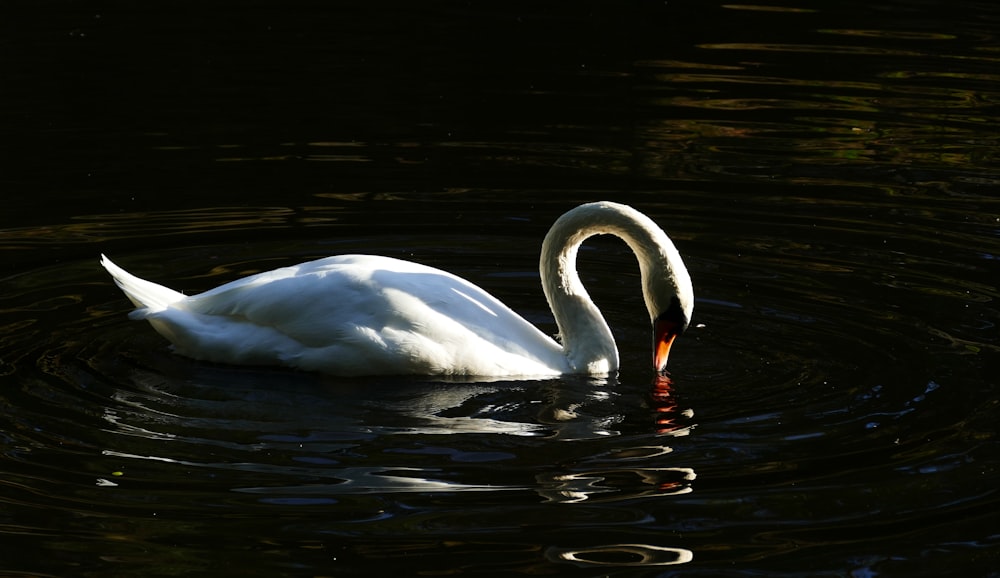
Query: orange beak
point(664, 333)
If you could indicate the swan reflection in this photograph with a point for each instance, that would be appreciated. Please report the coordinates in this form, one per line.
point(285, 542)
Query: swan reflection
point(632, 471)
point(303, 427)
point(667, 413)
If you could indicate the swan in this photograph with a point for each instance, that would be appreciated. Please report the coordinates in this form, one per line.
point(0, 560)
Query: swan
point(353, 315)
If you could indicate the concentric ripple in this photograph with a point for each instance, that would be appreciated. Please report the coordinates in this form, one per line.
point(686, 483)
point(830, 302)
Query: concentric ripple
point(793, 381)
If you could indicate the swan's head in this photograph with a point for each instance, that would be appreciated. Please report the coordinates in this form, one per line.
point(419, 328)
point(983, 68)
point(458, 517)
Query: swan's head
point(666, 327)
point(669, 298)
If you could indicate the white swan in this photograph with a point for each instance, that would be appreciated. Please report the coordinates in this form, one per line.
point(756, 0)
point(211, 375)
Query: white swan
point(370, 315)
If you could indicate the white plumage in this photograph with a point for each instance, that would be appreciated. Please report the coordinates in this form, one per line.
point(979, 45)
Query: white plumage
point(368, 315)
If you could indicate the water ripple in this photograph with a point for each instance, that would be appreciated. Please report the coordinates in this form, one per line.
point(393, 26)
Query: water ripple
point(832, 408)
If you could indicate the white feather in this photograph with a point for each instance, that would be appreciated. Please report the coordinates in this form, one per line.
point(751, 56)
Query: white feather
point(365, 315)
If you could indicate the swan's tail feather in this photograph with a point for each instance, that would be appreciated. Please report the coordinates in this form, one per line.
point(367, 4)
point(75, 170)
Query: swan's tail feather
point(142, 293)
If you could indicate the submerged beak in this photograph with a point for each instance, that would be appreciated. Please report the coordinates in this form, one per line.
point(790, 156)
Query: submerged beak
point(665, 330)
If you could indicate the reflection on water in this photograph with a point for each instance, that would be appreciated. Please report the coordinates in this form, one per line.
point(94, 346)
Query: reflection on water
point(589, 485)
point(367, 481)
point(623, 555)
point(177, 404)
point(828, 171)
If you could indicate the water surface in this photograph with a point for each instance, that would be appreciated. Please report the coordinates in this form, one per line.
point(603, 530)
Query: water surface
point(828, 170)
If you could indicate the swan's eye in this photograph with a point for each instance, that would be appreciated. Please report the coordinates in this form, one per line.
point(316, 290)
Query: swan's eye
point(673, 317)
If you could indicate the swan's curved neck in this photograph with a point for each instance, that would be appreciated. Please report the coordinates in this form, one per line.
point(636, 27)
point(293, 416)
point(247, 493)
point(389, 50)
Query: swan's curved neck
point(586, 338)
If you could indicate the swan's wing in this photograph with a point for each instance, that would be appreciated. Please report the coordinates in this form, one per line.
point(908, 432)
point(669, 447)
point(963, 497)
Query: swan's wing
point(312, 304)
point(368, 312)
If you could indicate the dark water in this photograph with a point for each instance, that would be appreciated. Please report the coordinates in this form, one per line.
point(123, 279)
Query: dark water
point(829, 170)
